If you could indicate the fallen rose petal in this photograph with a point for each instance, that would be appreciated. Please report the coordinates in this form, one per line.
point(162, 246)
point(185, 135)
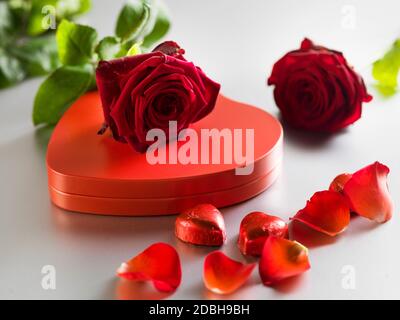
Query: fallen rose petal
point(368, 193)
point(201, 225)
point(223, 275)
point(338, 183)
point(255, 228)
point(281, 259)
point(159, 263)
point(327, 212)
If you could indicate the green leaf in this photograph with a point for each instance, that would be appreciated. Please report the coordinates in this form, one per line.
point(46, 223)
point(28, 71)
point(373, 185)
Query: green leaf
point(6, 22)
point(386, 70)
point(67, 9)
point(134, 50)
point(11, 70)
point(132, 20)
point(110, 48)
point(161, 26)
point(20, 10)
point(38, 55)
point(76, 43)
point(59, 91)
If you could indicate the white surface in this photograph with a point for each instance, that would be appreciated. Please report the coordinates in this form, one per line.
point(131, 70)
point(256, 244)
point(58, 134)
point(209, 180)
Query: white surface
point(235, 42)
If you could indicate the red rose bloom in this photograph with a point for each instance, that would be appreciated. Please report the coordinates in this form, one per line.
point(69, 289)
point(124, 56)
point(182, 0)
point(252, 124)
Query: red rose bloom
point(147, 91)
point(317, 90)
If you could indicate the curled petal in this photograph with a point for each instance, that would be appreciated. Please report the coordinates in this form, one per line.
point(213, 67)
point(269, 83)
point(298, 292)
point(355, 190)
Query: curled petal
point(170, 48)
point(327, 212)
point(368, 193)
point(255, 228)
point(223, 275)
point(338, 183)
point(201, 225)
point(159, 263)
point(281, 259)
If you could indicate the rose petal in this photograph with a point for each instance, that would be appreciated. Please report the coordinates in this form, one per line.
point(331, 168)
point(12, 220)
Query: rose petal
point(338, 183)
point(368, 193)
point(255, 228)
point(170, 48)
point(327, 212)
point(223, 275)
point(107, 75)
point(159, 263)
point(201, 225)
point(282, 258)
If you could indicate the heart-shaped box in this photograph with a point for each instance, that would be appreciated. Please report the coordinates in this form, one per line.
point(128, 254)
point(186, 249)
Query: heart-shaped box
point(95, 174)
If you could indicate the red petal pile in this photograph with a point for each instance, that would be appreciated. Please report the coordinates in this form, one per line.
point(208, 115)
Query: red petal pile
point(255, 228)
point(223, 275)
point(364, 192)
point(368, 193)
point(158, 263)
point(201, 225)
point(282, 258)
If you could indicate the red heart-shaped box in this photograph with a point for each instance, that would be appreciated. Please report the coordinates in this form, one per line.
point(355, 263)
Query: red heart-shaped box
point(95, 174)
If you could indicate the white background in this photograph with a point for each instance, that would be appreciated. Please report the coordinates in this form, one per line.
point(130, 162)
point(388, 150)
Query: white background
point(236, 43)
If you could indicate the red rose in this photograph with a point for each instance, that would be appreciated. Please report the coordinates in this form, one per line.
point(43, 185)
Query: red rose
point(317, 90)
point(147, 91)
